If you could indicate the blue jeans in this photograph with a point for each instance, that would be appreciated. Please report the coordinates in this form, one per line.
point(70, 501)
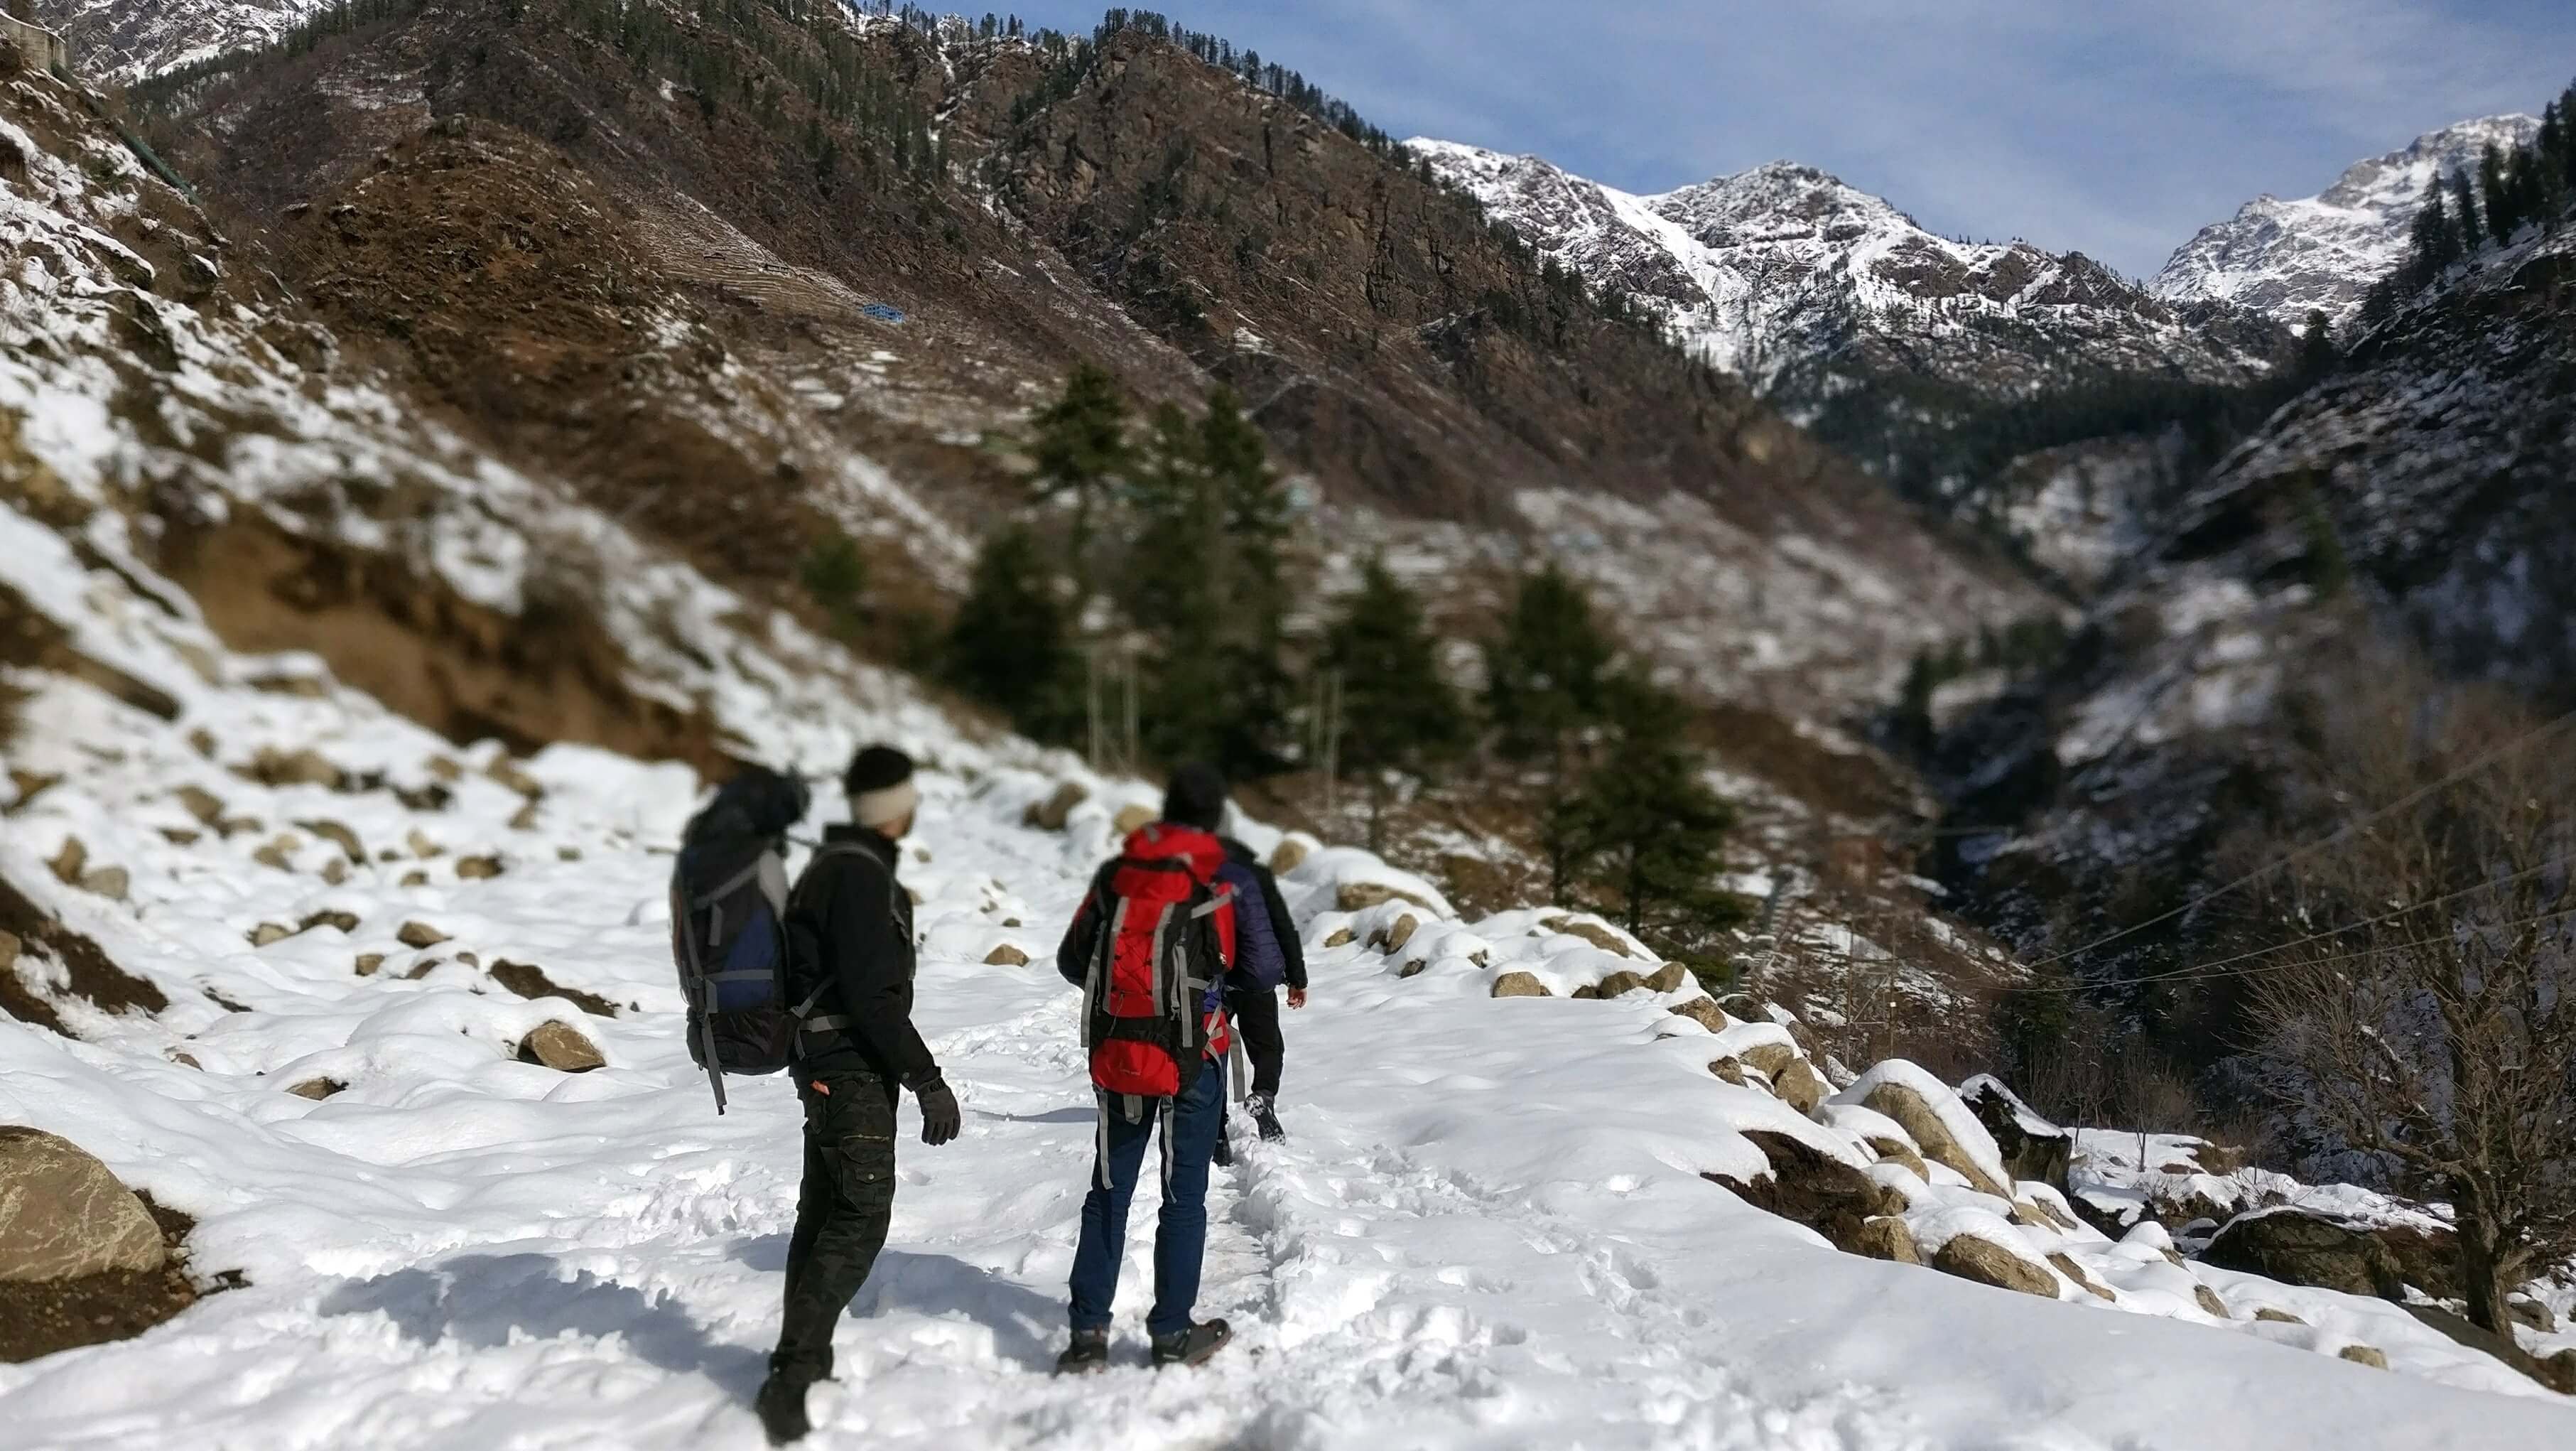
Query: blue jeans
point(1191, 1124)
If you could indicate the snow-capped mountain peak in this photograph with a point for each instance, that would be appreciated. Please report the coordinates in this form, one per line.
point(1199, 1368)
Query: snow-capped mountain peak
point(2286, 257)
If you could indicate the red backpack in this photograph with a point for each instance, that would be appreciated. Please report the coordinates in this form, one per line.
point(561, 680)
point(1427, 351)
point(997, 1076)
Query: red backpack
point(1151, 1005)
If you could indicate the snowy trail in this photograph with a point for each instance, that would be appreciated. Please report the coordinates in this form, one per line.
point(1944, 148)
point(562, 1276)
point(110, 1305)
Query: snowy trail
point(1489, 1228)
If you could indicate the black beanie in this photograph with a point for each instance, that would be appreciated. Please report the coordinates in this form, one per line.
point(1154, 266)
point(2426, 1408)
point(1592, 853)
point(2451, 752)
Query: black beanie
point(1196, 797)
point(875, 768)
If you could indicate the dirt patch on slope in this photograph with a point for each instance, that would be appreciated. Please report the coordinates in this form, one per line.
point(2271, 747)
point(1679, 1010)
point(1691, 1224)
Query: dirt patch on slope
point(95, 979)
point(470, 672)
point(41, 1318)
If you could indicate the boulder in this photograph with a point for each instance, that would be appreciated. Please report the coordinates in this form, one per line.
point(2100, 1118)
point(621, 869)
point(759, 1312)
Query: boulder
point(1618, 984)
point(335, 872)
point(1342, 937)
point(421, 846)
point(1727, 1069)
point(268, 933)
point(2300, 1248)
point(1132, 817)
point(2533, 1313)
point(369, 963)
point(446, 769)
point(341, 922)
point(109, 882)
point(415, 879)
point(525, 818)
point(1391, 939)
point(1982, 1260)
point(2278, 1317)
point(1896, 1151)
point(1885, 1237)
point(2369, 1355)
point(2033, 1148)
point(1360, 896)
point(1290, 854)
point(1703, 1011)
point(2067, 1266)
point(1520, 985)
point(559, 1047)
point(279, 855)
point(478, 868)
point(508, 773)
point(1832, 1198)
point(1930, 1135)
point(2558, 1372)
point(1052, 813)
point(186, 1060)
point(64, 1215)
point(200, 803)
point(1672, 977)
point(318, 1089)
point(273, 767)
point(1006, 955)
point(70, 862)
point(419, 936)
point(1799, 1086)
point(1592, 932)
point(2207, 1299)
point(339, 836)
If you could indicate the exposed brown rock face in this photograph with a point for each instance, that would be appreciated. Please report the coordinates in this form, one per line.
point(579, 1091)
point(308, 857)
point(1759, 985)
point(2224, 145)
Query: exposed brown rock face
point(64, 1215)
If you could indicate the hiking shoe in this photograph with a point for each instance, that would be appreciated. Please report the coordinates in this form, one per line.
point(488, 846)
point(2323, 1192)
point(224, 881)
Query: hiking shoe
point(781, 1408)
point(1089, 1352)
point(1223, 1157)
point(1192, 1346)
point(1258, 1105)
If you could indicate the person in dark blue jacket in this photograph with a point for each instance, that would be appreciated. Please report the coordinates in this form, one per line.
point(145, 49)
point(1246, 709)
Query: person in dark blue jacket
point(1267, 952)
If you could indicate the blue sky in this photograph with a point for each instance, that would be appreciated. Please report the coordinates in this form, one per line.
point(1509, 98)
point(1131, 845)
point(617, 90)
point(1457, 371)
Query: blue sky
point(2114, 127)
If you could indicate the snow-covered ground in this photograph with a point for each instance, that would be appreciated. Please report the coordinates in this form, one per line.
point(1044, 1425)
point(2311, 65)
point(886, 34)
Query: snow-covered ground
point(1491, 1228)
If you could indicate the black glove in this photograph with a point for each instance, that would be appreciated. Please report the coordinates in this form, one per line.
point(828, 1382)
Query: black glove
point(941, 1119)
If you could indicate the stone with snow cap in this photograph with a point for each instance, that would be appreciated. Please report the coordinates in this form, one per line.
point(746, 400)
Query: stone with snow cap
point(63, 1214)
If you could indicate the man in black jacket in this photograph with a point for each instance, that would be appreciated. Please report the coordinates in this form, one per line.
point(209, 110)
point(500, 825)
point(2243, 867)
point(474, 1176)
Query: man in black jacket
point(852, 917)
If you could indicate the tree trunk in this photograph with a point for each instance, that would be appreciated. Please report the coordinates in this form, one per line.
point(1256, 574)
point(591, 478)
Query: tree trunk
point(2481, 1268)
point(1377, 808)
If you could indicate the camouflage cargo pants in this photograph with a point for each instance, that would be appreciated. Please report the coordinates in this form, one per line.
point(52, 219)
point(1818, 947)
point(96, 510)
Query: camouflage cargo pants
point(841, 1214)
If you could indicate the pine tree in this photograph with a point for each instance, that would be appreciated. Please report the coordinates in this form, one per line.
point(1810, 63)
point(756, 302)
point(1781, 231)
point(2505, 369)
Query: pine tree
point(2501, 221)
point(1652, 831)
point(1010, 644)
point(1913, 725)
point(2464, 204)
point(1546, 679)
point(2317, 355)
point(1253, 588)
point(1400, 716)
point(1081, 444)
point(2432, 244)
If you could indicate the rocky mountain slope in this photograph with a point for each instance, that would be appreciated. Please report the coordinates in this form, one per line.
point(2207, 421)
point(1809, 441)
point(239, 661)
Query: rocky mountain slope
point(122, 41)
point(1843, 311)
point(2283, 258)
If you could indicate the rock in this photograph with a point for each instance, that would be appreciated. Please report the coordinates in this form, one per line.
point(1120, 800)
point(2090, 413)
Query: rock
point(573, 854)
point(1669, 978)
point(1520, 985)
point(109, 882)
point(530, 981)
point(2533, 1313)
point(279, 854)
point(525, 818)
point(1885, 1237)
point(369, 963)
point(70, 862)
point(1897, 1152)
point(2278, 1317)
point(1800, 1086)
point(508, 773)
point(1131, 818)
point(2037, 1214)
point(1052, 813)
point(202, 741)
point(446, 769)
point(63, 1214)
point(1287, 856)
point(2033, 1148)
point(559, 1047)
point(2299, 1248)
point(273, 767)
point(415, 879)
point(419, 935)
point(1391, 940)
point(1618, 984)
point(186, 1060)
point(341, 922)
point(318, 1089)
point(335, 872)
point(420, 969)
point(1828, 1196)
point(1703, 1011)
point(2369, 1355)
point(1920, 1122)
point(1413, 968)
point(2558, 1372)
point(1988, 1263)
point(422, 847)
point(469, 959)
point(1006, 956)
point(339, 836)
point(201, 803)
point(2067, 1266)
point(268, 933)
point(180, 835)
point(1360, 896)
point(478, 868)
point(432, 797)
point(1727, 1069)
point(1592, 932)
point(2207, 1299)
point(1342, 937)
point(1771, 1058)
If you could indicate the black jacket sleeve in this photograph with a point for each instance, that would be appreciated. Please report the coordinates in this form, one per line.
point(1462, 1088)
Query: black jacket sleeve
point(868, 947)
point(1292, 951)
point(1081, 938)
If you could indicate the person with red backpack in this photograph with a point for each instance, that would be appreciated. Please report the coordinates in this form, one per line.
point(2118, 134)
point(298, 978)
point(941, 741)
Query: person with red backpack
point(1150, 947)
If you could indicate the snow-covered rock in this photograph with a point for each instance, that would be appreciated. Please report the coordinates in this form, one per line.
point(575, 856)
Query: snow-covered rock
point(2285, 257)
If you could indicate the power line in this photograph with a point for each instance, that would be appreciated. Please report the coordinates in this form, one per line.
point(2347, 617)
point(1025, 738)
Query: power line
point(2312, 848)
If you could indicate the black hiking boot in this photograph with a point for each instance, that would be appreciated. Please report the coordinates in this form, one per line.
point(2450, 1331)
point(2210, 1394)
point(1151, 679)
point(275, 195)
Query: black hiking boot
point(1263, 1118)
point(1192, 1346)
point(1223, 1158)
point(1088, 1353)
point(781, 1408)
